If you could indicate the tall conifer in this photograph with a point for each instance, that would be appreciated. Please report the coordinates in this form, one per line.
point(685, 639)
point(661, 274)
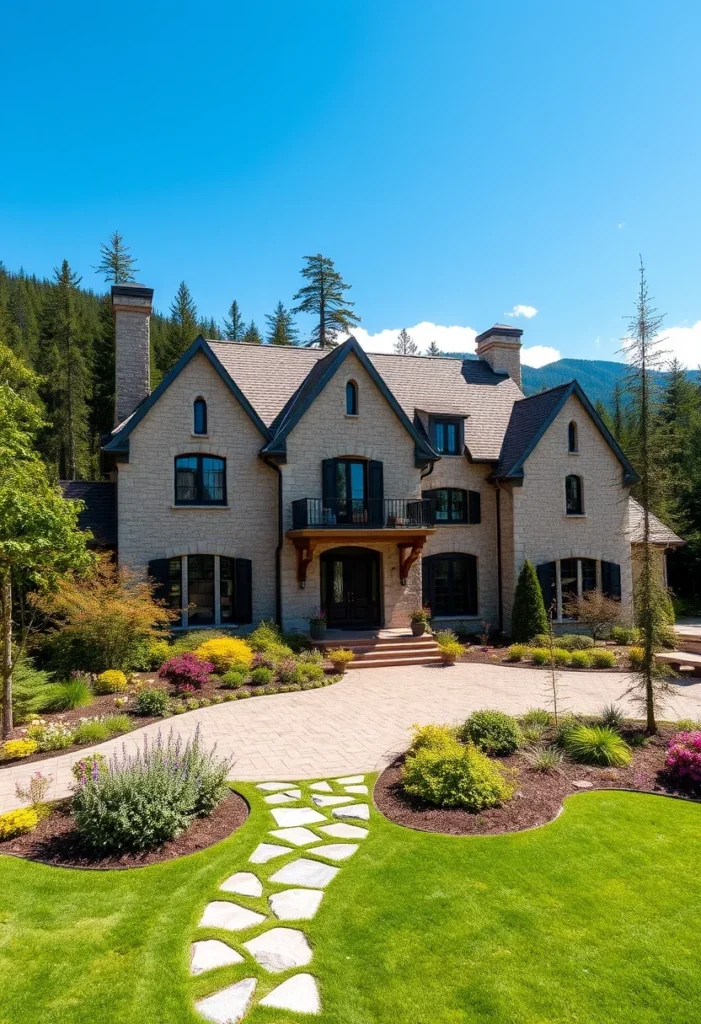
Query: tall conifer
point(117, 265)
point(234, 326)
point(281, 327)
point(183, 327)
point(252, 335)
point(324, 298)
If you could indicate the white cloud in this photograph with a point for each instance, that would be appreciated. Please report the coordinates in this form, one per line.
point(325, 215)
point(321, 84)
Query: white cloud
point(684, 342)
point(539, 355)
point(528, 311)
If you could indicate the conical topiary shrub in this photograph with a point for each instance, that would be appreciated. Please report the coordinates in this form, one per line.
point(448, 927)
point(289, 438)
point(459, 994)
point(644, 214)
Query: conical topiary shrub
point(529, 616)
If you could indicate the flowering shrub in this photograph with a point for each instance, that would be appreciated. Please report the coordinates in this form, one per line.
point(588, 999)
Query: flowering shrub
point(111, 681)
point(89, 767)
point(340, 657)
point(35, 791)
point(225, 651)
point(12, 750)
point(158, 652)
point(16, 823)
point(153, 703)
point(187, 670)
point(261, 660)
point(683, 758)
point(50, 735)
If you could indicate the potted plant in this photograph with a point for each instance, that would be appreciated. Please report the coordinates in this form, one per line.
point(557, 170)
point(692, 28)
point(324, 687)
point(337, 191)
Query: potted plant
point(451, 651)
point(317, 625)
point(340, 657)
point(420, 619)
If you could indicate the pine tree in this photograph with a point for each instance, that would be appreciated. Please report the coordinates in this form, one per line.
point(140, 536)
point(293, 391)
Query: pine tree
point(182, 327)
point(116, 262)
point(281, 327)
point(210, 329)
point(252, 335)
point(234, 327)
point(617, 412)
point(405, 344)
point(323, 297)
point(102, 401)
point(433, 349)
point(529, 616)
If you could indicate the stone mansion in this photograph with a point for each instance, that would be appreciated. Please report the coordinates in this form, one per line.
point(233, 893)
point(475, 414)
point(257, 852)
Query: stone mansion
point(269, 481)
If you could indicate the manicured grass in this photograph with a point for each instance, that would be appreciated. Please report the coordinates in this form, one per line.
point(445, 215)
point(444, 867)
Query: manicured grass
point(591, 919)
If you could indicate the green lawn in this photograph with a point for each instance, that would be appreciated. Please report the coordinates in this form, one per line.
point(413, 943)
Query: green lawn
point(593, 919)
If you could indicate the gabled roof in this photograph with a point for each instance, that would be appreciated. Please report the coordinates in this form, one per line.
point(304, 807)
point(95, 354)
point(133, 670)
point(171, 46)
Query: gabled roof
point(100, 512)
point(529, 420)
point(119, 444)
point(659, 533)
point(317, 379)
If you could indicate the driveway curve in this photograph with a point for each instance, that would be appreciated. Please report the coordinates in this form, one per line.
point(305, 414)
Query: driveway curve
point(360, 723)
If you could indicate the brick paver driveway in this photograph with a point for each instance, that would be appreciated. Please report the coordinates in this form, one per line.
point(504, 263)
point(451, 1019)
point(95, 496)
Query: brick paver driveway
point(359, 724)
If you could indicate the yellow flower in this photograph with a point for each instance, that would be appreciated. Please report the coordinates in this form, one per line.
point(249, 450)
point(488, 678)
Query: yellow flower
point(225, 651)
point(16, 823)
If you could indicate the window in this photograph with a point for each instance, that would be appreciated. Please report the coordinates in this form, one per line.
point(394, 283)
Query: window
point(174, 596)
point(200, 590)
point(573, 495)
point(450, 584)
point(199, 416)
point(454, 505)
point(446, 435)
point(577, 576)
point(188, 584)
point(572, 439)
point(352, 398)
point(352, 492)
point(200, 480)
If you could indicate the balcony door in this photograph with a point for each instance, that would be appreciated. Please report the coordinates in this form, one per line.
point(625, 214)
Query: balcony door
point(352, 492)
point(350, 588)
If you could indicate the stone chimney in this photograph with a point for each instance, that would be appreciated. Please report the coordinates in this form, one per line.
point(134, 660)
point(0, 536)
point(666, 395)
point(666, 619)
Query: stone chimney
point(131, 305)
point(500, 346)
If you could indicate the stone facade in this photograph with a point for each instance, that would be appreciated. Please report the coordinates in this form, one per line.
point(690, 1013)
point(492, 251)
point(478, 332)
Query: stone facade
point(132, 315)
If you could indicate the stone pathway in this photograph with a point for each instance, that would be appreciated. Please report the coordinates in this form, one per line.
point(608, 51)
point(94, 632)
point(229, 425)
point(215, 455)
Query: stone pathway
point(357, 725)
point(278, 948)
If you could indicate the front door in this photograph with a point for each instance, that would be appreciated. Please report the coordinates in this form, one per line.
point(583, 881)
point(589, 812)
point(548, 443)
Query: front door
point(350, 588)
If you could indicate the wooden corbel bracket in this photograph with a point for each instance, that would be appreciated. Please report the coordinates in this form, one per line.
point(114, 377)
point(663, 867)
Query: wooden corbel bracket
point(408, 554)
point(305, 551)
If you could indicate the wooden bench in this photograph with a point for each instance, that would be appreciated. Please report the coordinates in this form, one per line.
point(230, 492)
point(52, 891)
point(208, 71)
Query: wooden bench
point(680, 660)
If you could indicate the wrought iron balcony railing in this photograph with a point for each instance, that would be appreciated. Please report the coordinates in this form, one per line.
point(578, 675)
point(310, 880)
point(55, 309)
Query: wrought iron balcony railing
point(397, 513)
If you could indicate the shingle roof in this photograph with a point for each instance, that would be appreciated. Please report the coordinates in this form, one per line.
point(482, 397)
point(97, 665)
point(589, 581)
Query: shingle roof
point(100, 512)
point(659, 533)
point(526, 420)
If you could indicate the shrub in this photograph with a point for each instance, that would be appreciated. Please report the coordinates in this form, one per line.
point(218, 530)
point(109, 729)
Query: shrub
point(232, 679)
point(445, 637)
point(529, 615)
point(340, 658)
point(262, 676)
point(540, 655)
point(34, 793)
point(452, 775)
point(266, 634)
point(89, 767)
point(17, 823)
point(594, 744)
point(225, 652)
point(601, 658)
point(189, 642)
point(186, 669)
point(310, 671)
point(580, 659)
point(517, 652)
point(683, 759)
point(158, 652)
point(30, 689)
point(635, 657)
point(536, 716)
point(152, 703)
point(111, 681)
point(566, 641)
point(286, 670)
point(150, 797)
point(566, 723)
point(50, 735)
point(612, 717)
point(312, 657)
point(13, 750)
point(687, 725)
point(544, 759)
point(450, 652)
point(533, 733)
point(625, 635)
point(595, 612)
point(91, 730)
point(492, 731)
point(76, 693)
point(561, 657)
point(432, 736)
point(117, 724)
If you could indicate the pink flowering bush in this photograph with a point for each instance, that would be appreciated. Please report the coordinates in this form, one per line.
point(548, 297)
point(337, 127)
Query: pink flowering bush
point(683, 758)
point(186, 670)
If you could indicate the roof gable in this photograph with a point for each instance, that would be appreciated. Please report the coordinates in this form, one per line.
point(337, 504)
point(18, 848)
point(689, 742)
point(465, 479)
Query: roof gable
point(531, 417)
point(119, 444)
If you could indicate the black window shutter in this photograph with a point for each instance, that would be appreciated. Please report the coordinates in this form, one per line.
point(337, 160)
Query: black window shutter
point(328, 482)
point(474, 514)
point(546, 576)
point(158, 571)
point(376, 489)
point(427, 581)
point(611, 580)
point(243, 590)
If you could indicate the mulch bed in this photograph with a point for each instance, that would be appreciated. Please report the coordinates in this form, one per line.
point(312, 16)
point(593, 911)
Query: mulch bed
point(538, 798)
point(55, 841)
point(478, 655)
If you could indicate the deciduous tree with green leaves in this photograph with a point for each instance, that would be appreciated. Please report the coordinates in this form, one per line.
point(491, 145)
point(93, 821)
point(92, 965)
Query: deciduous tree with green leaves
point(324, 298)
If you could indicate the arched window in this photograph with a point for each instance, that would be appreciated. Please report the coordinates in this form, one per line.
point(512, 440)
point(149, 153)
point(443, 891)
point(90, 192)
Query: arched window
point(572, 438)
point(574, 502)
point(351, 398)
point(199, 416)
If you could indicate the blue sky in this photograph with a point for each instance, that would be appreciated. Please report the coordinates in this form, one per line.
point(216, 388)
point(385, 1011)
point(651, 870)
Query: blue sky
point(456, 159)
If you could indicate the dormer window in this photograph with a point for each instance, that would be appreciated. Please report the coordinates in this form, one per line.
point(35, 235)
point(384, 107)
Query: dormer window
point(351, 398)
point(574, 503)
point(572, 438)
point(446, 435)
point(199, 416)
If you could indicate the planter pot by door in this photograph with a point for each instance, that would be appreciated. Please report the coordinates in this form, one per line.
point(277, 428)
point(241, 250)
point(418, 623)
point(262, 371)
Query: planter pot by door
point(418, 628)
point(317, 630)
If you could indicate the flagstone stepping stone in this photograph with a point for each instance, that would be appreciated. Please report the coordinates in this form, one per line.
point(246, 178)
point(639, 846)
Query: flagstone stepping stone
point(280, 949)
point(321, 787)
point(298, 994)
point(353, 811)
point(286, 817)
point(230, 1005)
point(335, 851)
point(296, 904)
point(298, 836)
point(210, 954)
point(244, 883)
point(583, 784)
point(329, 801)
point(267, 851)
point(272, 786)
point(230, 916)
point(341, 830)
point(281, 798)
point(296, 793)
point(350, 780)
point(310, 873)
point(356, 789)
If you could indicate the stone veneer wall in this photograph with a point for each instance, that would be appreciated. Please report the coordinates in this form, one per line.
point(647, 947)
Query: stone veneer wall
point(542, 532)
point(149, 524)
point(132, 354)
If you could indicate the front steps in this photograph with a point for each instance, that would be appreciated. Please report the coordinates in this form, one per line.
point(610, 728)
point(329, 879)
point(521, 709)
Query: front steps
point(377, 651)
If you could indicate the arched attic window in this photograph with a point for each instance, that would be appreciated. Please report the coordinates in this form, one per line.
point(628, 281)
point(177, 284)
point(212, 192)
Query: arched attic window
point(351, 398)
point(199, 410)
point(574, 501)
point(572, 438)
